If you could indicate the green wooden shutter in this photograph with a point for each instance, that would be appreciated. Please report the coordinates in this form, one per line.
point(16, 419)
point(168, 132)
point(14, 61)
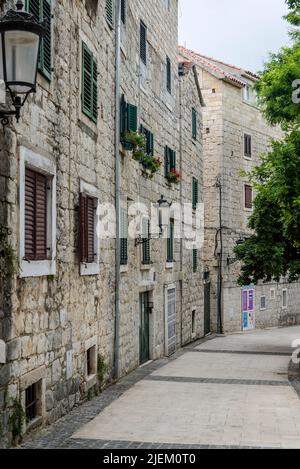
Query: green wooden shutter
point(170, 242)
point(131, 118)
point(169, 81)
point(89, 84)
point(41, 9)
point(195, 193)
point(167, 161)
point(123, 117)
point(123, 11)
point(146, 239)
point(195, 260)
point(194, 124)
point(109, 8)
point(124, 237)
point(172, 159)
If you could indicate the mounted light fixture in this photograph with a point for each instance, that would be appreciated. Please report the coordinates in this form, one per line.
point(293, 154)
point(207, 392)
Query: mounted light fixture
point(20, 37)
point(163, 204)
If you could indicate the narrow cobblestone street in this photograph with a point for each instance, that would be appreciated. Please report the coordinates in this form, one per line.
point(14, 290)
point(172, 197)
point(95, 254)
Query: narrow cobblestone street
point(231, 391)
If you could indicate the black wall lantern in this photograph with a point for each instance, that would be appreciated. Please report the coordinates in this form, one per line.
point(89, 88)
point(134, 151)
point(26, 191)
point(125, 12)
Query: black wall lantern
point(20, 37)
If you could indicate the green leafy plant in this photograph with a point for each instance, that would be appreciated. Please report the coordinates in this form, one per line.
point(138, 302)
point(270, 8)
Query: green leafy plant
point(138, 146)
point(173, 177)
point(102, 369)
point(17, 420)
point(9, 264)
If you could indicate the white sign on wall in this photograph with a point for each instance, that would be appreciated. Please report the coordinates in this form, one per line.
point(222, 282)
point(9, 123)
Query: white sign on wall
point(2, 352)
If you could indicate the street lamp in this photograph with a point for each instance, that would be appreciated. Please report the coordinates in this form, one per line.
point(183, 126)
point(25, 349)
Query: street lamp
point(163, 205)
point(20, 37)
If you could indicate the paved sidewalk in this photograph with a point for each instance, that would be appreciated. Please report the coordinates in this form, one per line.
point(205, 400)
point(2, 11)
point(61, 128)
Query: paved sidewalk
point(231, 391)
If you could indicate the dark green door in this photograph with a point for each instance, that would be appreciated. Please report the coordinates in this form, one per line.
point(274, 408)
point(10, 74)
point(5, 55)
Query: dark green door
point(144, 328)
point(206, 308)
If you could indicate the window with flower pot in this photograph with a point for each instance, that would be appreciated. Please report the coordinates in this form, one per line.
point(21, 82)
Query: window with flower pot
point(128, 121)
point(171, 173)
point(149, 141)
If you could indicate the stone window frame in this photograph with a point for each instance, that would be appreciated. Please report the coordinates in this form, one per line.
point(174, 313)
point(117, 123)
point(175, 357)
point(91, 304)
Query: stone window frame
point(284, 295)
point(260, 306)
point(92, 343)
point(37, 377)
point(248, 158)
point(272, 294)
point(38, 162)
point(249, 210)
point(92, 268)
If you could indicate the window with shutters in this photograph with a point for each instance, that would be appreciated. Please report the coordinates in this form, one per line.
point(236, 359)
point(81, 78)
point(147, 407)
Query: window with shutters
point(195, 193)
point(284, 299)
point(88, 224)
point(149, 138)
point(195, 260)
point(248, 197)
point(89, 87)
point(194, 124)
point(124, 237)
point(146, 258)
point(37, 214)
point(170, 160)
point(42, 10)
point(170, 242)
point(123, 11)
point(247, 146)
point(143, 43)
point(128, 119)
point(169, 75)
point(110, 11)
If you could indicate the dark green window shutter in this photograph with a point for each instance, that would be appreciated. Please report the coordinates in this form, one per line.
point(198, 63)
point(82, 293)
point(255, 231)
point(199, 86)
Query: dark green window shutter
point(123, 11)
point(195, 193)
point(172, 159)
point(143, 43)
point(131, 118)
point(124, 237)
point(194, 124)
point(170, 242)
point(167, 161)
point(149, 137)
point(41, 9)
point(89, 84)
point(109, 8)
point(123, 117)
point(169, 80)
point(146, 239)
point(195, 260)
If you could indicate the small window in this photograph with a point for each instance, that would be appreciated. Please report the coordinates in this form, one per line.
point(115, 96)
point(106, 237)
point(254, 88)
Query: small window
point(194, 124)
point(143, 43)
point(169, 76)
point(33, 408)
point(195, 193)
point(247, 146)
point(194, 322)
point(128, 119)
point(41, 9)
point(146, 241)
point(109, 9)
point(124, 237)
point(248, 197)
point(272, 294)
point(170, 160)
point(170, 242)
point(149, 141)
point(284, 299)
point(195, 260)
point(263, 302)
point(91, 361)
point(123, 11)
point(89, 92)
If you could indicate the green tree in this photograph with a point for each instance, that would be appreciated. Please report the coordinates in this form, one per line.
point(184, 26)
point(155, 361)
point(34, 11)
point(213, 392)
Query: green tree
point(273, 250)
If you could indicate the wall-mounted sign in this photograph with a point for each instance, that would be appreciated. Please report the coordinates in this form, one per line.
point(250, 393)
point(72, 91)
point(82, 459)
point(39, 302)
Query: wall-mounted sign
point(248, 311)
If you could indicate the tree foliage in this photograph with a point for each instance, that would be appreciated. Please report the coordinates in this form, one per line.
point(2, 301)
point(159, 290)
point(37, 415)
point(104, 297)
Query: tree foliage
point(273, 250)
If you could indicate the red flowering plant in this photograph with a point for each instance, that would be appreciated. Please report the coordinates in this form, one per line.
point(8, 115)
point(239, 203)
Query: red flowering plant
point(173, 176)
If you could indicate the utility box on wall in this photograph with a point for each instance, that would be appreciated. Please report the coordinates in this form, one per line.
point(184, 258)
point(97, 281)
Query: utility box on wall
point(2, 352)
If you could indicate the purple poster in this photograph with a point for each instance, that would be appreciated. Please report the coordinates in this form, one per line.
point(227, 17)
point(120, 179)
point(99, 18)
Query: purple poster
point(245, 300)
point(251, 300)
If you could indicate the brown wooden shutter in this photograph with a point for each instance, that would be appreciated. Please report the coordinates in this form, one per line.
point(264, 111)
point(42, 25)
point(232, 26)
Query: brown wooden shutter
point(90, 230)
point(29, 214)
point(82, 225)
point(35, 215)
point(248, 196)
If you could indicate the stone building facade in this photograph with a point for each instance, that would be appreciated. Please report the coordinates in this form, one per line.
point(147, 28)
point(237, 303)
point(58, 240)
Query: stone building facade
point(58, 312)
point(235, 136)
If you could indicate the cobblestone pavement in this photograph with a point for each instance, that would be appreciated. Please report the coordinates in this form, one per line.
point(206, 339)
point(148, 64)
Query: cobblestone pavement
point(228, 392)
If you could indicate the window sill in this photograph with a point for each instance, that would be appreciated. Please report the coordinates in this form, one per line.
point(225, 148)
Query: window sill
point(123, 269)
point(37, 268)
point(35, 423)
point(146, 267)
point(170, 265)
point(89, 269)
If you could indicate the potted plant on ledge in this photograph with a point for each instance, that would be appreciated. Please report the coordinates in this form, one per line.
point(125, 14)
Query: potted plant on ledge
point(173, 177)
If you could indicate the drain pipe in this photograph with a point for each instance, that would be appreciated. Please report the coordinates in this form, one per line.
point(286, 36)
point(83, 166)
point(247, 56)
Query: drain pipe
point(117, 191)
